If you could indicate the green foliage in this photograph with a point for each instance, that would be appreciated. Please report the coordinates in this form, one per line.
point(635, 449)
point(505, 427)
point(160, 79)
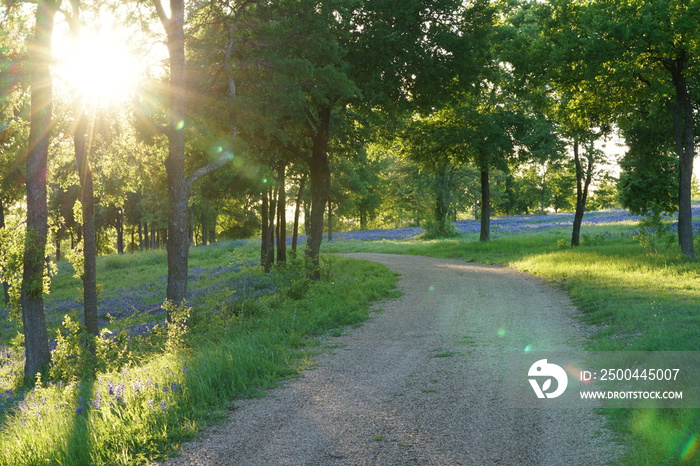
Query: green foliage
point(72, 358)
point(177, 326)
point(435, 229)
point(655, 233)
point(606, 195)
point(11, 250)
point(79, 355)
point(649, 178)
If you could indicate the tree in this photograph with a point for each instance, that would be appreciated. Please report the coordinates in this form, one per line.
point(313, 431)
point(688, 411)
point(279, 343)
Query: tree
point(306, 66)
point(647, 51)
point(649, 179)
point(355, 186)
point(13, 128)
point(33, 319)
point(87, 198)
point(179, 183)
point(546, 52)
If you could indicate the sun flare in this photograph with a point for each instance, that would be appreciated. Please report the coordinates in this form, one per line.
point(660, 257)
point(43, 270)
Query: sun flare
point(100, 68)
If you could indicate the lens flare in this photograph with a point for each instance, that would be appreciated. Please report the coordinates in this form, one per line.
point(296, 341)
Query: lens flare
point(691, 449)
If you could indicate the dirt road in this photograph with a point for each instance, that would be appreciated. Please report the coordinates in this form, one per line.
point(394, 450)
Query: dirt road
point(422, 382)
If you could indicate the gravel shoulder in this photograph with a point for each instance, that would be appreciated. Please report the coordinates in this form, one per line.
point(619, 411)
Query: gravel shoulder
point(422, 382)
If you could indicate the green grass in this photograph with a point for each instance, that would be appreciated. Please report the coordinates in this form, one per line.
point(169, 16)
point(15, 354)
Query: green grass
point(635, 300)
point(143, 410)
point(122, 271)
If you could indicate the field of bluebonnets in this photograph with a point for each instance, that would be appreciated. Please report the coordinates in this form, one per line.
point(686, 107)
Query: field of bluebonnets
point(158, 390)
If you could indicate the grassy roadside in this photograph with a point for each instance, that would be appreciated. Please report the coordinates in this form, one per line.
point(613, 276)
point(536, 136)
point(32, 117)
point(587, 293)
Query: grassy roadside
point(180, 380)
point(637, 300)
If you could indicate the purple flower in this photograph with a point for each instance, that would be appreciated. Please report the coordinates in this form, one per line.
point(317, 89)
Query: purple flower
point(163, 405)
point(79, 410)
point(150, 403)
point(97, 402)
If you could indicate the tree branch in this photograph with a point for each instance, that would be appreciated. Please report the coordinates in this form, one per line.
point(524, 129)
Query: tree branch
point(161, 15)
point(298, 153)
point(207, 169)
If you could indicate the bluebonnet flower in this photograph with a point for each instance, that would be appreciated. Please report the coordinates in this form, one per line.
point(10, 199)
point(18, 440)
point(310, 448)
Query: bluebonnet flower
point(163, 405)
point(97, 401)
point(79, 410)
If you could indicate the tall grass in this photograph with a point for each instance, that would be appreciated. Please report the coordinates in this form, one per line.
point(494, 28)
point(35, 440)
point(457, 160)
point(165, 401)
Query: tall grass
point(144, 410)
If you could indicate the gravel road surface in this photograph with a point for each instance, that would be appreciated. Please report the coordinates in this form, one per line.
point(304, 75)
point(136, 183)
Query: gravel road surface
point(422, 382)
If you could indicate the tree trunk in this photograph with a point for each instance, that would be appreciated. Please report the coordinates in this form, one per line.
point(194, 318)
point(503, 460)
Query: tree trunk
point(35, 333)
point(485, 233)
point(190, 229)
point(330, 222)
point(307, 219)
point(205, 234)
point(177, 243)
point(264, 225)
point(583, 182)
point(297, 212)
point(146, 237)
point(5, 285)
point(442, 201)
point(320, 178)
point(139, 232)
point(684, 130)
point(87, 200)
point(267, 250)
point(272, 218)
point(120, 231)
point(281, 215)
point(57, 238)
